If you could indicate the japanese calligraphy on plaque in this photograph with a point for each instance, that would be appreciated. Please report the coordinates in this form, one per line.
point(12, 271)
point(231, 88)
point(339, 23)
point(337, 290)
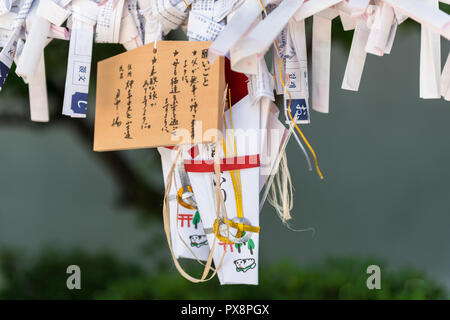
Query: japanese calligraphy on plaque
point(163, 96)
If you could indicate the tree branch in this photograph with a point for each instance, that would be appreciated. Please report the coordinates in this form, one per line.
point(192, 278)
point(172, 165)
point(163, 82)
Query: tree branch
point(134, 188)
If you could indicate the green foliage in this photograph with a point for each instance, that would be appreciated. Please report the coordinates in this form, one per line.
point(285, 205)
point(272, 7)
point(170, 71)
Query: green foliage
point(334, 279)
point(106, 277)
point(45, 276)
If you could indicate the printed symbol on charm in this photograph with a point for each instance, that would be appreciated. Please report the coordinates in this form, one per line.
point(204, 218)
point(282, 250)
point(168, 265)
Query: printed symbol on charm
point(243, 265)
point(186, 217)
point(251, 246)
point(79, 102)
point(225, 245)
point(198, 240)
point(224, 193)
point(196, 220)
point(298, 109)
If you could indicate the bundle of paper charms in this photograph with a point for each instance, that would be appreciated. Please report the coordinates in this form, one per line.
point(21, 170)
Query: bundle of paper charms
point(208, 103)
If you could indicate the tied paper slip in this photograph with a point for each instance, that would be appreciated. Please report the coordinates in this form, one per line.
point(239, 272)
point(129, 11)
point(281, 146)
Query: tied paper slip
point(240, 262)
point(296, 73)
point(321, 54)
point(356, 57)
point(430, 60)
point(48, 12)
point(8, 51)
point(5, 6)
point(186, 228)
point(254, 44)
point(84, 17)
point(151, 97)
point(445, 80)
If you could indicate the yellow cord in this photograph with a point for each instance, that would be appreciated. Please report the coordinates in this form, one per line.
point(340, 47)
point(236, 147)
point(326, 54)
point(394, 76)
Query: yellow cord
point(289, 106)
point(235, 174)
point(238, 173)
point(296, 126)
point(237, 187)
point(187, 6)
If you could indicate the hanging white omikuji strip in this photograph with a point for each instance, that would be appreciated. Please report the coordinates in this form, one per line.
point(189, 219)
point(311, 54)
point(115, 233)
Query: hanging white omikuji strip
point(129, 34)
point(47, 13)
point(9, 50)
point(84, 17)
point(321, 55)
point(5, 6)
point(254, 45)
point(356, 57)
point(201, 25)
point(242, 19)
point(430, 60)
point(445, 80)
point(357, 7)
point(296, 64)
point(310, 8)
point(6, 24)
point(109, 20)
point(37, 88)
point(348, 23)
point(169, 15)
point(425, 14)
